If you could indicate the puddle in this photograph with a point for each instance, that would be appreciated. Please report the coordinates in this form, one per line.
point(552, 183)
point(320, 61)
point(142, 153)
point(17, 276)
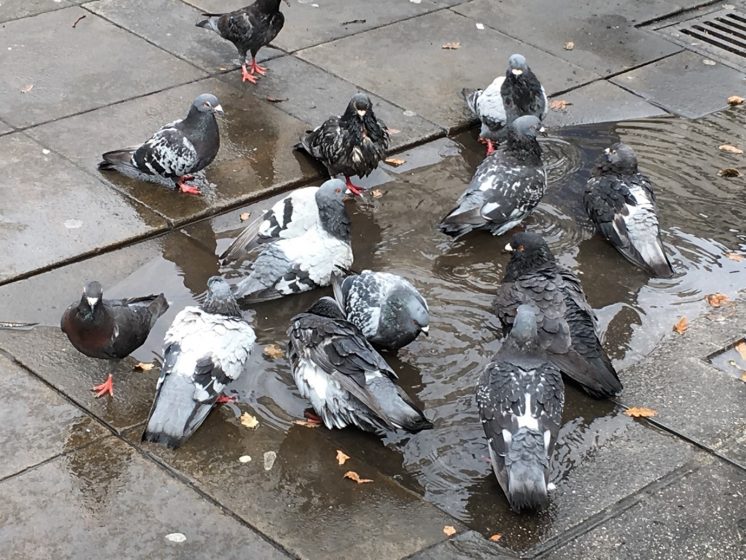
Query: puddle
point(702, 215)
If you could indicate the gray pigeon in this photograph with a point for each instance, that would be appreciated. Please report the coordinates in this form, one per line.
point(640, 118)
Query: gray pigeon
point(352, 144)
point(567, 324)
point(299, 264)
point(620, 201)
point(387, 309)
point(249, 29)
point(346, 380)
point(506, 187)
point(110, 329)
point(176, 151)
point(520, 398)
point(205, 349)
point(508, 97)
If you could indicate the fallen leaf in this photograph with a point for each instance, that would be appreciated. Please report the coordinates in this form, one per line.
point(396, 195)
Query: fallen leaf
point(729, 172)
point(735, 100)
point(276, 99)
point(269, 460)
point(708, 62)
point(569, 46)
point(176, 537)
point(559, 104)
point(728, 149)
point(734, 257)
point(77, 21)
point(352, 475)
point(245, 216)
point(27, 88)
point(743, 376)
point(396, 162)
point(640, 412)
point(273, 352)
point(342, 457)
point(393, 131)
point(451, 46)
point(376, 193)
point(741, 349)
point(681, 326)
point(249, 421)
point(353, 21)
point(716, 300)
point(307, 423)
point(496, 537)
point(449, 530)
point(140, 366)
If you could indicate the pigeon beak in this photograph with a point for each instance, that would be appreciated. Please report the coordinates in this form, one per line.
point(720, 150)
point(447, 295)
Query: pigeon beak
point(361, 113)
point(218, 109)
point(508, 248)
point(517, 71)
point(607, 151)
point(425, 330)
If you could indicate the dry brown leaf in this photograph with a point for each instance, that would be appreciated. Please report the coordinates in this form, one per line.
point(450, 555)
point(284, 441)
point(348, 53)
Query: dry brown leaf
point(640, 412)
point(743, 376)
point(396, 162)
point(716, 300)
point(245, 216)
point(449, 530)
point(451, 46)
point(276, 99)
point(352, 475)
point(496, 537)
point(342, 457)
point(729, 172)
point(306, 423)
point(393, 131)
point(559, 104)
point(681, 325)
point(741, 349)
point(735, 100)
point(27, 88)
point(734, 257)
point(143, 366)
point(376, 193)
point(730, 149)
point(273, 352)
point(249, 421)
point(570, 45)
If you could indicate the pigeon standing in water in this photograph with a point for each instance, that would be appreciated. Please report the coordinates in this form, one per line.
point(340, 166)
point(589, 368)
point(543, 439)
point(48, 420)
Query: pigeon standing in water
point(346, 380)
point(506, 187)
point(620, 201)
point(205, 348)
point(176, 151)
point(508, 97)
point(387, 309)
point(520, 398)
point(567, 324)
point(352, 144)
point(110, 329)
point(249, 29)
point(299, 264)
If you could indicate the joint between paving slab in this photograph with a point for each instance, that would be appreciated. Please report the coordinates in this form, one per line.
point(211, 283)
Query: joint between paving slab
point(677, 13)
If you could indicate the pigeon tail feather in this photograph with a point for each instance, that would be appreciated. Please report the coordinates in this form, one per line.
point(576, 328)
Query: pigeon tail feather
point(471, 96)
point(210, 23)
point(117, 159)
point(527, 486)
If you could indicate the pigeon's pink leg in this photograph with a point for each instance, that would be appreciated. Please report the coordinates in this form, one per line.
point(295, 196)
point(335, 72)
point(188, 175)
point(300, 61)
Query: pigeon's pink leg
point(490, 145)
point(312, 417)
point(106, 387)
point(246, 76)
point(186, 188)
point(257, 68)
point(222, 399)
point(354, 189)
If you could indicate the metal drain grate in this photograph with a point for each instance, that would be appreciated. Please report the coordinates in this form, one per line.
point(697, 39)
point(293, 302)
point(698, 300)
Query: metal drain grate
point(719, 35)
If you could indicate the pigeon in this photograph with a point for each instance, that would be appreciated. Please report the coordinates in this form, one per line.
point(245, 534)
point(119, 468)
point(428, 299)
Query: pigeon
point(176, 151)
point(110, 329)
point(299, 264)
point(508, 97)
point(346, 380)
point(621, 203)
point(520, 398)
point(204, 350)
point(506, 187)
point(567, 324)
point(387, 309)
point(352, 144)
point(249, 29)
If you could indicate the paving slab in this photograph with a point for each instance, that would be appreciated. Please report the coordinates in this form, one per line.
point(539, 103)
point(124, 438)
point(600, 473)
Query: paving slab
point(92, 65)
point(405, 64)
point(598, 102)
point(683, 84)
point(255, 157)
point(735, 450)
point(466, 546)
point(291, 79)
point(605, 40)
point(176, 33)
point(5, 128)
point(15, 9)
point(52, 211)
point(38, 423)
point(701, 515)
point(107, 501)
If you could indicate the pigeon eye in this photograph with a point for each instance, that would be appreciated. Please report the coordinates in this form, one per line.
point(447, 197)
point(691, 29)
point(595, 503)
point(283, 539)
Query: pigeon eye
point(207, 103)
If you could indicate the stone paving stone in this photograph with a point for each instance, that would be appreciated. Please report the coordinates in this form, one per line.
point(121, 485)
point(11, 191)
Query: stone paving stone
point(698, 516)
point(600, 101)
point(405, 64)
point(292, 80)
point(684, 85)
point(466, 546)
point(106, 501)
point(15, 9)
point(302, 499)
point(255, 157)
point(90, 66)
point(176, 33)
point(37, 422)
point(52, 211)
point(606, 42)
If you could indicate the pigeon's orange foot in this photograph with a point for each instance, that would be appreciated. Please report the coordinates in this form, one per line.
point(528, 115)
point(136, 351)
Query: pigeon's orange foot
point(490, 145)
point(187, 188)
point(312, 417)
point(106, 387)
point(354, 189)
point(257, 68)
point(246, 76)
point(222, 399)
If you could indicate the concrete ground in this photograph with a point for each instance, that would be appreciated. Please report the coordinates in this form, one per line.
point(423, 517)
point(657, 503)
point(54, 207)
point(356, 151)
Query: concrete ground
point(83, 77)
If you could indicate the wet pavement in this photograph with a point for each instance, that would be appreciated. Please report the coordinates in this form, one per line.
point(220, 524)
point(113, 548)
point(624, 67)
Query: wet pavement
point(667, 486)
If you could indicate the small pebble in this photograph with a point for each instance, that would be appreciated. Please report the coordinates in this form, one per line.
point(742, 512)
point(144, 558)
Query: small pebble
point(244, 459)
point(176, 537)
point(269, 460)
point(480, 26)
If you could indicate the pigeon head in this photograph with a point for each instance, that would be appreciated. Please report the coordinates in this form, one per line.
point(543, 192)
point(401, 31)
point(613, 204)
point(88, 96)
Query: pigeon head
point(414, 310)
point(219, 299)
point(525, 330)
point(517, 66)
point(207, 103)
point(360, 106)
point(92, 296)
point(327, 307)
point(528, 251)
point(270, 6)
point(332, 212)
point(332, 191)
point(619, 158)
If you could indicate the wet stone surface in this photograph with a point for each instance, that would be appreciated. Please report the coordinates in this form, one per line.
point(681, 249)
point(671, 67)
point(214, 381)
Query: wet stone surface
point(14, 9)
point(467, 546)
point(106, 501)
